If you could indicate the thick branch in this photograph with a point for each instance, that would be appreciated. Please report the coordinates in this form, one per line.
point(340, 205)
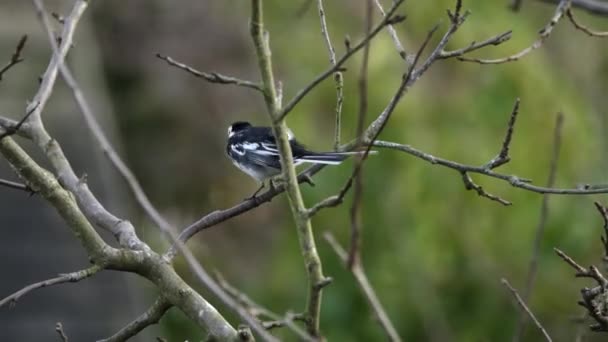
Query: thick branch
point(123, 230)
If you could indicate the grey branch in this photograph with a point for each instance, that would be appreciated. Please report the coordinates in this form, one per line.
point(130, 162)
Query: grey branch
point(212, 77)
point(61, 279)
point(393, 33)
point(123, 230)
point(141, 197)
point(513, 180)
point(361, 278)
point(338, 76)
point(150, 317)
point(15, 185)
point(545, 32)
point(495, 40)
point(389, 19)
point(523, 305)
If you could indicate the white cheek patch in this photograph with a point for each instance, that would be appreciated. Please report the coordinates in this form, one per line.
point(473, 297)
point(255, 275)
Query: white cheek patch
point(230, 132)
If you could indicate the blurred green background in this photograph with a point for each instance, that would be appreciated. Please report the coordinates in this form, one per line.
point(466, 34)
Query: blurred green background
point(434, 252)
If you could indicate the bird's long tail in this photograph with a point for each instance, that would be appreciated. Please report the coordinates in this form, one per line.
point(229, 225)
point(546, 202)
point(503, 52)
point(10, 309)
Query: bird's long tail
point(329, 158)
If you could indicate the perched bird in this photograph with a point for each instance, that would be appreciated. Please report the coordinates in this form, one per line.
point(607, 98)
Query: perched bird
point(254, 151)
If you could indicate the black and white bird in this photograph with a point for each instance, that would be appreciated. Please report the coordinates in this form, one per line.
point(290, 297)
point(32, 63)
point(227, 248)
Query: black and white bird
point(254, 151)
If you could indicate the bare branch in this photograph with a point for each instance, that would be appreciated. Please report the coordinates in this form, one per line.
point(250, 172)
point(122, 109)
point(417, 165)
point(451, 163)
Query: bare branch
point(388, 20)
point(212, 77)
point(15, 185)
point(540, 229)
point(338, 76)
point(513, 180)
point(469, 184)
point(584, 28)
point(495, 40)
point(312, 261)
point(355, 209)
point(16, 57)
point(393, 33)
point(60, 332)
point(61, 279)
point(595, 307)
point(523, 305)
point(545, 32)
point(503, 156)
point(366, 287)
point(150, 317)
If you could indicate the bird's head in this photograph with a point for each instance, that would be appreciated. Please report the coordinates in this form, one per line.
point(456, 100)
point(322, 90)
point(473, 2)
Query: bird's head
point(236, 127)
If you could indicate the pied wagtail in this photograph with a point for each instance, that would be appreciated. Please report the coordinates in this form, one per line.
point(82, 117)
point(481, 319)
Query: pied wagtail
point(254, 151)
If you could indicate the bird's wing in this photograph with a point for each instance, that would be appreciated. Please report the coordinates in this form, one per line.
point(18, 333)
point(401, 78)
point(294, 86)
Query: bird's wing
point(263, 154)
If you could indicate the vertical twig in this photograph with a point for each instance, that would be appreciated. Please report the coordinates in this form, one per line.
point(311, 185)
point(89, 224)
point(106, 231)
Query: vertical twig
point(312, 261)
point(338, 76)
point(540, 229)
point(355, 209)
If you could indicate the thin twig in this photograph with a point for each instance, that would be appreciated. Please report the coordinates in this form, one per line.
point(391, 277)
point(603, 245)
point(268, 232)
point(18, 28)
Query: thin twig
point(523, 305)
point(584, 28)
point(150, 317)
point(16, 57)
point(393, 33)
point(11, 130)
point(389, 19)
point(61, 279)
point(212, 77)
point(369, 292)
point(513, 180)
point(355, 209)
point(338, 76)
point(503, 156)
point(495, 40)
point(59, 330)
point(545, 32)
point(15, 185)
point(542, 221)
